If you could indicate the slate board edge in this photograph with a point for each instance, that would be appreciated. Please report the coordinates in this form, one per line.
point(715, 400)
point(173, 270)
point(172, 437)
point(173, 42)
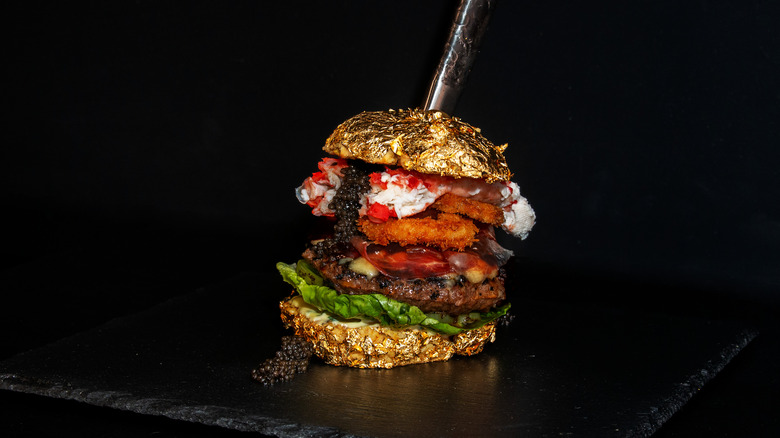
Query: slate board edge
point(690, 386)
point(170, 408)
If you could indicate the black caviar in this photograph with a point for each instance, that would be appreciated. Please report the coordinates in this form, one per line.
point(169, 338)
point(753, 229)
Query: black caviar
point(292, 358)
point(505, 320)
point(346, 203)
point(346, 206)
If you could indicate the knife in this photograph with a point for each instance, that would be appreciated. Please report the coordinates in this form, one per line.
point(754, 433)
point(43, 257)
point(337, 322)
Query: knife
point(460, 51)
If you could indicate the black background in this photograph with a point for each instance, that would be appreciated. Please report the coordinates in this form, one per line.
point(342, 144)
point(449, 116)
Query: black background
point(152, 147)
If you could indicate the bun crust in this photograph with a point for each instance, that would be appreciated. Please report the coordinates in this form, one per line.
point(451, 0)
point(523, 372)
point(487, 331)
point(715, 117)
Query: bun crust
point(370, 345)
point(424, 141)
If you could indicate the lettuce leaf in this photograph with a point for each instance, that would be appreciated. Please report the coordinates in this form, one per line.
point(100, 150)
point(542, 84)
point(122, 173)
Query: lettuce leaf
point(387, 311)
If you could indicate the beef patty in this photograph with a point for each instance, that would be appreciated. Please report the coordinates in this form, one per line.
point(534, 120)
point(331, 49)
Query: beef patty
point(443, 295)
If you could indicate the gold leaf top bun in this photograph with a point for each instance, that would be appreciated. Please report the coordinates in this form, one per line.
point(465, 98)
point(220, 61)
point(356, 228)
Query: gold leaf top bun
point(424, 141)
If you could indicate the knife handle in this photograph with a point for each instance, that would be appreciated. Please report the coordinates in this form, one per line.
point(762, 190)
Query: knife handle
point(460, 51)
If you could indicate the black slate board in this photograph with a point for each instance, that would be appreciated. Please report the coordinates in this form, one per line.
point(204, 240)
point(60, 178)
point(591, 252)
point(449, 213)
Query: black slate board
point(556, 370)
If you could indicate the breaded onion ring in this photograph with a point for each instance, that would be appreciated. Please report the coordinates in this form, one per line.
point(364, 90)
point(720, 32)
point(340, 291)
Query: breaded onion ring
point(477, 210)
point(447, 231)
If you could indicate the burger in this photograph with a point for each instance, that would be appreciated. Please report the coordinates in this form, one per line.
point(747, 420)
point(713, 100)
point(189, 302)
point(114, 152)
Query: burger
point(409, 270)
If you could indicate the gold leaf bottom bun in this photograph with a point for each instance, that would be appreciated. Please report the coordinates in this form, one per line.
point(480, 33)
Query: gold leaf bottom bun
point(365, 344)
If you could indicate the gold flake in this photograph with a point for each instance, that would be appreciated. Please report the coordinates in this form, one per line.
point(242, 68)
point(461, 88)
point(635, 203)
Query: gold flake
point(424, 141)
point(371, 345)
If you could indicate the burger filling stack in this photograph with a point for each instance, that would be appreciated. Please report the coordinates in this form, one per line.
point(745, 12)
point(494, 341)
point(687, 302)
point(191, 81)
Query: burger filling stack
point(411, 272)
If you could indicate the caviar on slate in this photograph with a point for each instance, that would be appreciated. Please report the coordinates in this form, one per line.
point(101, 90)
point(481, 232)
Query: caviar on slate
point(292, 358)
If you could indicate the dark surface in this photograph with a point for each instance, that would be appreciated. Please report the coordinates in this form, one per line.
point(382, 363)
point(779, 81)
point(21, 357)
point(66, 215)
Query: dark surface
point(557, 369)
point(579, 358)
point(152, 149)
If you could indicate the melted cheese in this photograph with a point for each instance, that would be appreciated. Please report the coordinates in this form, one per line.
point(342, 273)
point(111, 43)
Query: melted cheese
point(319, 317)
point(363, 266)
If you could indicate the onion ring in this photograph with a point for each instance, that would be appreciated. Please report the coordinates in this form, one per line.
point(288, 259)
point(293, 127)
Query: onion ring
point(477, 210)
point(447, 231)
